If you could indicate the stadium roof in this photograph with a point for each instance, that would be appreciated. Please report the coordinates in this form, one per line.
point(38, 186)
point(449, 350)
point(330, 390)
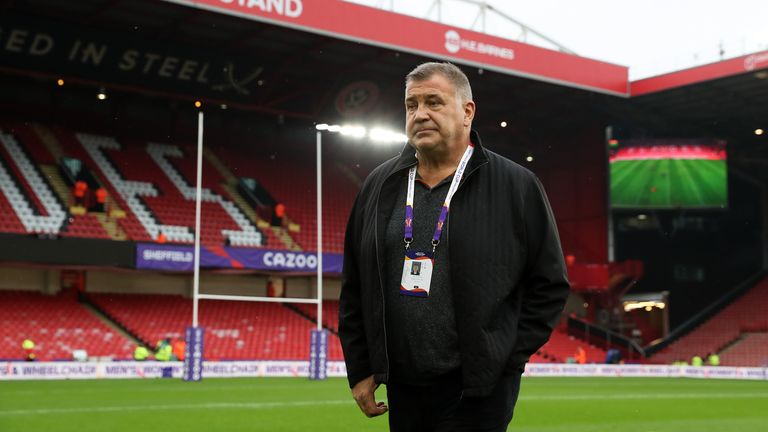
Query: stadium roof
point(725, 99)
point(301, 59)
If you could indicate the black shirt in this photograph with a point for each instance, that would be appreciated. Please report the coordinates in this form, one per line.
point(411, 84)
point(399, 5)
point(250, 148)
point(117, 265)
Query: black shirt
point(422, 339)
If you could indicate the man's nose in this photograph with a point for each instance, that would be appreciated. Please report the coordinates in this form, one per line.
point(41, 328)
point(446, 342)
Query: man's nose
point(421, 113)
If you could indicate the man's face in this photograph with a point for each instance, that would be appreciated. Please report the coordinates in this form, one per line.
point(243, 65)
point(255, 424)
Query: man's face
point(434, 115)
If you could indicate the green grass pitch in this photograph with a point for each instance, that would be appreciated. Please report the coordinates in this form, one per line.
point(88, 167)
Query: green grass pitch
point(296, 404)
point(669, 183)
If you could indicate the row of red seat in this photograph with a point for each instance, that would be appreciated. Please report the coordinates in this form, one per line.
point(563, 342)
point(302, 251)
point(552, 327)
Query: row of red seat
point(244, 330)
point(234, 330)
point(292, 181)
point(85, 226)
point(57, 325)
point(330, 313)
point(748, 312)
point(296, 191)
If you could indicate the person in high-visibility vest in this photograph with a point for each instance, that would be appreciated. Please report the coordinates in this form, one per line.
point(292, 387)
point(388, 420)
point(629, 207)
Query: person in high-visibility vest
point(697, 361)
point(713, 359)
point(29, 350)
point(141, 353)
point(164, 351)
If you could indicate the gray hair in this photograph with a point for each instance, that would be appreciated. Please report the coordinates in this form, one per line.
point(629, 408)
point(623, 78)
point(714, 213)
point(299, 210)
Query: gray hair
point(454, 75)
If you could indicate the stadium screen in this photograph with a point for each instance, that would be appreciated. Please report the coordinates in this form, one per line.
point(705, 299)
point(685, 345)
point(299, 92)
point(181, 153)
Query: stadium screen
point(668, 174)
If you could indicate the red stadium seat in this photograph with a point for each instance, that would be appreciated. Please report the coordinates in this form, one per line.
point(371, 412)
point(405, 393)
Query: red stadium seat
point(722, 330)
point(234, 330)
point(57, 324)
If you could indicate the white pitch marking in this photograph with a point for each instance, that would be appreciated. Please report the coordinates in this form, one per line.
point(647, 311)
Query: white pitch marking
point(645, 396)
point(270, 405)
point(224, 405)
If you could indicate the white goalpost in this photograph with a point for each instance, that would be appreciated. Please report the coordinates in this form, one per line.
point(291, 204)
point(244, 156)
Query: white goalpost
point(194, 335)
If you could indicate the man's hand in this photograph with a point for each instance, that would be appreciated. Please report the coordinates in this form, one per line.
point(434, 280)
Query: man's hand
point(363, 394)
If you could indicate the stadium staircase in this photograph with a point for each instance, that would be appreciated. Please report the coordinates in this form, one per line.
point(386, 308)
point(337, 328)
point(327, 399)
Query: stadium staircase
point(51, 172)
point(129, 222)
point(111, 226)
point(733, 332)
point(57, 324)
point(49, 140)
point(243, 233)
point(229, 184)
point(292, 182)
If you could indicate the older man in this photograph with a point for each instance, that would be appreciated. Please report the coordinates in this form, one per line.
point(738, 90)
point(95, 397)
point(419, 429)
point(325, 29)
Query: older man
point(446, 310)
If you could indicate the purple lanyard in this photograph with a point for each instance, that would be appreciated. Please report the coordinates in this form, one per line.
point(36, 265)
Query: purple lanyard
point(446, 204)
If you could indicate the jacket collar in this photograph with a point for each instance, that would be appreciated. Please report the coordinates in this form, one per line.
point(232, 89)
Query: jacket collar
point(407, 156)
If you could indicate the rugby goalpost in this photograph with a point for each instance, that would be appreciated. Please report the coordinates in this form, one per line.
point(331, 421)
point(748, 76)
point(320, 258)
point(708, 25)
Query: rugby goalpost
point(194, 335)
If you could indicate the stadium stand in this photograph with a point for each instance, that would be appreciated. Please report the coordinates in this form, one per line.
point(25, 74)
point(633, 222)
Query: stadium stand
point(247, 235)
point(234, 330)
point(722, 332)
point(85, 226)
point(562, 346)
point(31, 143)
point(153, 183)
point(299, 195)
point(750, 350)
point(330, 313)
point(58, 325)
point(72, 147)
point(9, 222)
point(33, 155)
point(34, 203)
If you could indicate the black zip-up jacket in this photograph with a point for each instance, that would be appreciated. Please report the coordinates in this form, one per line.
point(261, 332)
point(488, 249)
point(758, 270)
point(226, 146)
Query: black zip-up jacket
point(507, 270)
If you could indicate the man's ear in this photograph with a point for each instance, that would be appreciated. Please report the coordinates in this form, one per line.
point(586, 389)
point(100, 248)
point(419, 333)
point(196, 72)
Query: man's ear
point(469, 113)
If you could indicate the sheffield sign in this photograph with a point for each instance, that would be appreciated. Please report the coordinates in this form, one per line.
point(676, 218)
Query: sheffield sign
point(152, 256)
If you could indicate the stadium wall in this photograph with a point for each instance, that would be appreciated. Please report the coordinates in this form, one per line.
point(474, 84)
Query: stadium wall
point(48, 281)
point(67, 251)
point(42, 280)
point(102, 281)
point(153, 369)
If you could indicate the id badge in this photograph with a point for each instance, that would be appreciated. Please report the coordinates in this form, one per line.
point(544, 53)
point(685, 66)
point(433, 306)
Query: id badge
point(417, 274)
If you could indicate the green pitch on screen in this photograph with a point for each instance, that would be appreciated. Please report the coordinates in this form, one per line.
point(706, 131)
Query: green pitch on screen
point(669, 183)
point(295, 404)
